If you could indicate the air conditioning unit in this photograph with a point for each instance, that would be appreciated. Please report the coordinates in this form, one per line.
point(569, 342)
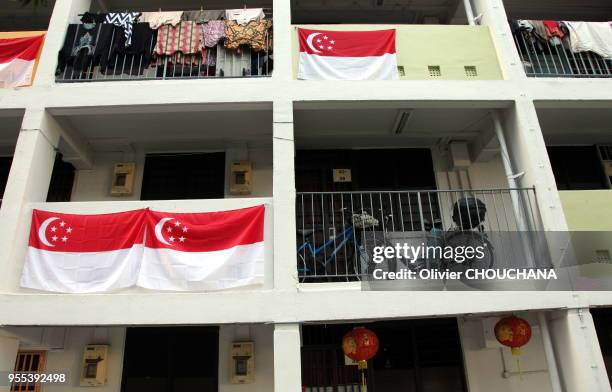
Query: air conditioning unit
point(605, 155)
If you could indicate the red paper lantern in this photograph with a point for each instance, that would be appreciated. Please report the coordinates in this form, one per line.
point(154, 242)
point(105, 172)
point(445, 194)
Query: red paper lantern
point(513, 332)
point(360, 344)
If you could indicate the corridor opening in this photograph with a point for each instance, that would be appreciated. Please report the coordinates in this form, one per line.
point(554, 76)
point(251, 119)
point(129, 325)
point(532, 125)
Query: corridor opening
point(414, 356)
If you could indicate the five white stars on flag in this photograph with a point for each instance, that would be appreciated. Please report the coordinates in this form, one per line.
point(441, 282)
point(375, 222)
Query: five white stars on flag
point(56, 236)
point(322, 44)
point(177, 225)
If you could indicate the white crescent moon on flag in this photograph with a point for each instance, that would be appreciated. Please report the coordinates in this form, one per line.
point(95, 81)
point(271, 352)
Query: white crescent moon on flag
point(158, 231)
point(309, 42)
point(42, 230)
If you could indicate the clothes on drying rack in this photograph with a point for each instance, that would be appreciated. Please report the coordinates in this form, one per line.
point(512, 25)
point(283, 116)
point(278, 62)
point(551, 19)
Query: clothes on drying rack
point(133, 59)
point(243, 16)
point(203, 16)
point(157, 19)
point(124, 20)
point(212, 33)
point(185, 38)
point(595, 37)
point(254, 34)
point(90, 17)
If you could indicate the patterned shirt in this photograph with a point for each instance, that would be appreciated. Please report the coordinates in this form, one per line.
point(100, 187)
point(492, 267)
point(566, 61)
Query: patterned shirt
point(125, 20)
point(254, 34)
point(184, 38)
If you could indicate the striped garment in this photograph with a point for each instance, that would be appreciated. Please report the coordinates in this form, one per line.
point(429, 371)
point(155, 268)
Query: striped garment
point(125, 20)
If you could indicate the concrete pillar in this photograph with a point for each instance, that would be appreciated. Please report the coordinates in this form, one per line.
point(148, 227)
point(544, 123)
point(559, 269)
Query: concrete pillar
point(493, 15)
point(287, 358)
point(9, 346)
point(578, 353)
point(285, 260)
point(527, 150)
point(28, 182)
point(64, 13)
point(282, 40)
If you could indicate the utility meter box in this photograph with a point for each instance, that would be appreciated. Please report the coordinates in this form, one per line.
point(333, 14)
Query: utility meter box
point(241, 178)
point(123, 179)
point(95, 365)
point(342, 175)
point(242, 363)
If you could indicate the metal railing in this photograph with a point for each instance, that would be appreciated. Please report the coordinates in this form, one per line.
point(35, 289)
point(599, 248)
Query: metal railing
point(542, 59)
point(336, 229)
point(215, 62)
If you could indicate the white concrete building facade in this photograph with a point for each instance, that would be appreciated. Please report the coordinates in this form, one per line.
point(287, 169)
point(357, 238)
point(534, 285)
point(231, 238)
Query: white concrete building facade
point(507, 118)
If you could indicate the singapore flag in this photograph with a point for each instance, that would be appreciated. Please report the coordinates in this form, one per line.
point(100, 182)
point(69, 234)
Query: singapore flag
point(203, 251)
point(71, 253)
point(347, 55)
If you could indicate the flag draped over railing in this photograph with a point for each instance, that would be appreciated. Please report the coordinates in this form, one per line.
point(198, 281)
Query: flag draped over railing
point(155, 250)
point(347, 55)
point(17, 59)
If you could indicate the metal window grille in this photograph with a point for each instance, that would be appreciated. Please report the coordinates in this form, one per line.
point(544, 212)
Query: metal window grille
point(228, 63)
point(541, 58)
point(29, 361)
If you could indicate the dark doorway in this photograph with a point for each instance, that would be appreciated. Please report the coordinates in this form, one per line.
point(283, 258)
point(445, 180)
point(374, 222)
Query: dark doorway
point(602, 319)
point(60, 186)
point(62, 181)
point(184, 176)
point(577, 167)
point(5, 168)
point(180, 359)
point(371, 170)
point(414, 356)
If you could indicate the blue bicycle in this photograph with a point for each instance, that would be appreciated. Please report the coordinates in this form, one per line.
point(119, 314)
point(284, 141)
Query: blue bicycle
point(323, 261)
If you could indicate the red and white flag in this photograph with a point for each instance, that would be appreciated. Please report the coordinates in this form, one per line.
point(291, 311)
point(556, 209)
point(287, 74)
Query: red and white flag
point(347, 55)
point(17, 59)
point(203, 251)
point(83, 253)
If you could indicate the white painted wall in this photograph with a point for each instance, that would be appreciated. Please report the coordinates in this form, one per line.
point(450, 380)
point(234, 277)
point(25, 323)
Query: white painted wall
point(484, 366)
point(70, 357)
point(262, 336)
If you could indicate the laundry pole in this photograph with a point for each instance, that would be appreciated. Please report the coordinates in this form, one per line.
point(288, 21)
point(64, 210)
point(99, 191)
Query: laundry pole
point(469, 11)
point(553, 370)
point(510, 175)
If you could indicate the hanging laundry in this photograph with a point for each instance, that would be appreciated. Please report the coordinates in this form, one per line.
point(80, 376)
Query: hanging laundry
point(212, 33)
point(132, 59)
point(79, 47)
point(157, 19)
point(125, 20)
point(91, 17)
point(553, 29)
point(246, 15)
point(203, 16)
point(591, 36)
point(254, 34)
point(185, 38)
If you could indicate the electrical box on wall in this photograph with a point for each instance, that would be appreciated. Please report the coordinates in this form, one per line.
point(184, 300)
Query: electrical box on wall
point(242, 363)
point(241, 182)
point(123, 179)
point(459, 155)
point(94, 367)
point(342, 175)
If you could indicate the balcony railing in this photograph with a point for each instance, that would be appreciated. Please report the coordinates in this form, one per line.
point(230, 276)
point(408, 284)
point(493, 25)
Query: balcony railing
point(542, 59)
point(336, 231)
point(215, 62)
